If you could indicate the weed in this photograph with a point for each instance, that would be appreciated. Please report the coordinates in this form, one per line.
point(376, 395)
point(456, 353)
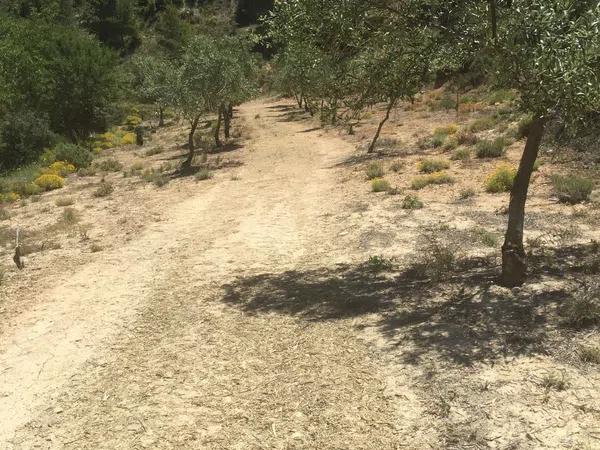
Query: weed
point(448, 129)
point(491, 149)
point(572, 189)
point(154, 151)
point(411, 201)
point(69, 216)
point(4, 214)
point(501, 180)
point(450, 144)
point(95, 248)
point(466, 193)
point(466, 138)
point(375, 170)
point(432, 165)
point(380, 185)
point(438, 140)
point(109, 165)
point(397, 166)
point(485, 237)
point(555, 381)
point(64, 201)
point(437, 178)
point(435, 259)
point(105, 188)
point(203, 174)
point(86, 172)
point(589, 354)
point(583, 309)
point(482, 124)
point(461, 154)
point(379, 264)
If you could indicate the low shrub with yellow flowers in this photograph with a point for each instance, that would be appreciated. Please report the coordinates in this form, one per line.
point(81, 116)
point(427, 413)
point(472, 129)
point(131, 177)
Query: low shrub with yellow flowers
point(50, 181)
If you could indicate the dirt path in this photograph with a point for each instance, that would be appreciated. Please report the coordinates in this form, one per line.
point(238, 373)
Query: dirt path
point(148, 346)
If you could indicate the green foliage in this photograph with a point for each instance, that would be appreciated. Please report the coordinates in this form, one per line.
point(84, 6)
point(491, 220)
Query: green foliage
point(49, 181)
point(412, 201)
point(104, 189)
point(461, 154)
point(590, 354)
point(437, 178)
point(380, 185)
point(379, 264)
point(501, 180)
point(572, 188)
point(491, 149)
point(482, 124)
point(432, 165)
point(108, 165)
point(77, 155)
point(375, 170)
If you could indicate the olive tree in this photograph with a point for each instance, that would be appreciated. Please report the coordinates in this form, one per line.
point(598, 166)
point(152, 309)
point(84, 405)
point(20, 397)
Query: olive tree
point(549, 50)
point(154, 78)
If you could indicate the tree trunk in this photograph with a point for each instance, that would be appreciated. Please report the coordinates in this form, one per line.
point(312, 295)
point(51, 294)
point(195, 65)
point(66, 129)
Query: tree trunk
point(227, 113)
point(161, 117)
point(230, 111)
point(381, 124)
point(218, 127)
point(514, 264)
point(191, 148)
point(494, 20)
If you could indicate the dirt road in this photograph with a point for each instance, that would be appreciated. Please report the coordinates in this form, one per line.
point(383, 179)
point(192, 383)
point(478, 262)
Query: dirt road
point(153, 345)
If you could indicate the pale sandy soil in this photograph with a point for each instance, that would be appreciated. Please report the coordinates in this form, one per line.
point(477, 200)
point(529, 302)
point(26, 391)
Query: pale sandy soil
point(239, 313)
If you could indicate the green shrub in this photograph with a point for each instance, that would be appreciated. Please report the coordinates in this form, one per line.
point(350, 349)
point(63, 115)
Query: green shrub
point(501, 180)
point(422, 181)
point(86, 172)
point(461, 154)
point(375, 170)
point(380, 185)
point(25, 189)
point(49, 181)
point(501, 96)
point(482, 124)
point(447, 102)
point(438, 140)
point(491, 149)
point(485, 237)
point(432, 165)
point(572, 189)
point(466, 138)
point(411, 201)
point(379, 264)
point(451, 143)
point(108, 165)
point(104, 189)
point(523, 127)
point(203, 174)
point(78, 156)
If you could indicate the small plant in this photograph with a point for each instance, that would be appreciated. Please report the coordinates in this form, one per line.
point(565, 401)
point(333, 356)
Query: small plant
point(501, 180)
point(461, 154)
point(555, 381)
point(380, 185)
point(411, 202)
point(448, 129)
point(379, 264)
point(69, 216)
point(203, 174)
point(437, 178)
point(138, 166)
point(436, 259)
point(491, 149)
point(583, 309)
point(64, 201)
point(438, 140)
point(482, 124)
point(485, 237)
point(466, 138)
point(433, 165)
point(86, 172)
point(95, 248)
point(466, 193)
point(109, 165)
point(450, 144)
point(572, 189)
point(49, 181)
point(375, 170)
point(397, 166)
point(589, 354)
point(105, 188)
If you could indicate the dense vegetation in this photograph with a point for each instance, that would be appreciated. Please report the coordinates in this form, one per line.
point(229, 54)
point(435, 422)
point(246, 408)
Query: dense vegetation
point(339, 57)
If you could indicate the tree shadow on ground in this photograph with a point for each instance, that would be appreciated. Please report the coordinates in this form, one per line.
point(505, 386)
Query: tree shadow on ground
point(463, 319)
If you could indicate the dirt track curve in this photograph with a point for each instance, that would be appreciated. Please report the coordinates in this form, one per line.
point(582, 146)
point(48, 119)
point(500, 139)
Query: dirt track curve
point(154, 346)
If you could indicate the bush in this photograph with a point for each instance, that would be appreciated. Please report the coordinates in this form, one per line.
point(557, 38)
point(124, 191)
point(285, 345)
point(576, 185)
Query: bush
point(420, 182)
point(448, 129)
point(461, 154)
point(25, 189)
point(61, 168)
point(466, 193)
point(69, 216)
point(75, 154)
point(128, 139)
point(438, 139)
point(132, 121)
point(50, 181)
point(450, 144)
point(109, 165)
point(411, 201)
point(572, 189)
point(590, 354)
point(156, 177)
point(433, 165)
point(482, 124)
point(466, 138)
point(380, 185)
point(203, 174)
point(491, 149)
point(104, 189)
point(375, 170)
point(435, 259)
point(397, 166)
point(23, 137)
point(11, 197)
point(501, 180)
point(86, 172)
point(583, 309)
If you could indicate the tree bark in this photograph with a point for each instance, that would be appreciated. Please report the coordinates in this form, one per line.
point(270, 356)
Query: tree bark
point(218, 127)
point(191, 147)
point(494, 20)
point(391, 105)
point(227, 113)
point(514, 264)
point(161, 117)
